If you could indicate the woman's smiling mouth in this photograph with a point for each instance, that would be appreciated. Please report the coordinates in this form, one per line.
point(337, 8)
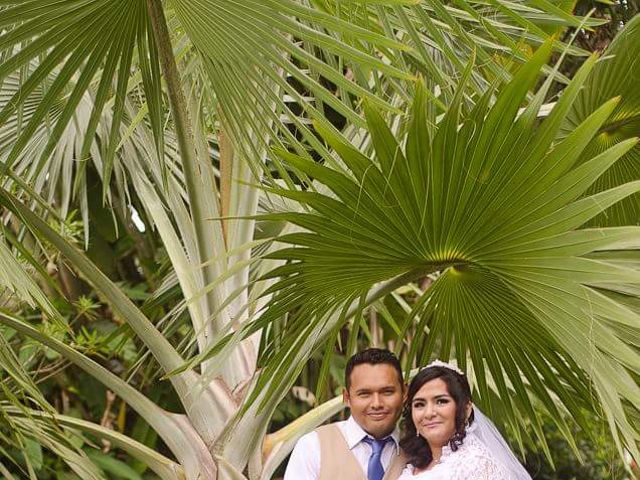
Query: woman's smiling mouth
point(432, 425)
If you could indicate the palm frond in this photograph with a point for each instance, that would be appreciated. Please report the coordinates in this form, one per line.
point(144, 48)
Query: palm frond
point(617, 74)
point(14, 277)
point(27, 417)
point(515, 296)
point(83, 41)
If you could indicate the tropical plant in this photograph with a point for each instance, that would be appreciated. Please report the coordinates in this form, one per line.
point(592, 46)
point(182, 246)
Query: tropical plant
point(72, 105)
point(600, 460)
point(456, 199)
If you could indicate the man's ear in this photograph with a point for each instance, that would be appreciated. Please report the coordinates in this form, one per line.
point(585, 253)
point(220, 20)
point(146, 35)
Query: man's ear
point(345, 397)
point(405, 392)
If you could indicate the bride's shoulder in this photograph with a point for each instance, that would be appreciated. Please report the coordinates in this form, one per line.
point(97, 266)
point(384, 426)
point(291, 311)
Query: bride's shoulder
point(477, 461)
point(472, 444)
point(407, 472)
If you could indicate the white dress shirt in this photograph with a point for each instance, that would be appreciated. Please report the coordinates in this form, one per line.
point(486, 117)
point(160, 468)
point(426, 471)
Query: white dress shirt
point(304, 463)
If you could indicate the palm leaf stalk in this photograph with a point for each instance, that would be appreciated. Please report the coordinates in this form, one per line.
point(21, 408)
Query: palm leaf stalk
point(196, 183)
point(516, 298)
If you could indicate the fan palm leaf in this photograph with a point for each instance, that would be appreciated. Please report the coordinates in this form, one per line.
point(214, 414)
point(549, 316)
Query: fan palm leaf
point(617, 74)
point(491, 202)
point(94, 45)
point(35, 421)
point(444, 37)
point(19, 394)
point(78, 40)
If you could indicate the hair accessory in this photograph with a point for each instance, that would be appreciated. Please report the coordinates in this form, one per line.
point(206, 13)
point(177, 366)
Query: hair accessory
point(440, 363)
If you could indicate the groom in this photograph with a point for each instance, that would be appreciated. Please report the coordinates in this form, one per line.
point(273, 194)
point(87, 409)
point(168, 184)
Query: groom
point(364, 447)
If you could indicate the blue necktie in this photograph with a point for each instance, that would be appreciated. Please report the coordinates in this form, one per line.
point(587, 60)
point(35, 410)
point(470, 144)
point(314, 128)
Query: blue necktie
point(374, 469)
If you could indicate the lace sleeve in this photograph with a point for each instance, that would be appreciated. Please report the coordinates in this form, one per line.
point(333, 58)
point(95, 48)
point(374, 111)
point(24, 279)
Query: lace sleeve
point(482, 468)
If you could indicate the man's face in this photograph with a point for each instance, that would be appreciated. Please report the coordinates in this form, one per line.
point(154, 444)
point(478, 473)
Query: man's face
point(375, 398)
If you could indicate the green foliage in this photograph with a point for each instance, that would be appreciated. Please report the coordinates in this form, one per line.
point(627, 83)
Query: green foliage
point(600, 461)
point(615, 75)
point(116, 468)
point(491, 267)
point(514, 301)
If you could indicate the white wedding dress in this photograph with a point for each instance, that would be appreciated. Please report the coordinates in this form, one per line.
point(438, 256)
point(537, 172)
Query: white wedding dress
point(471, 461)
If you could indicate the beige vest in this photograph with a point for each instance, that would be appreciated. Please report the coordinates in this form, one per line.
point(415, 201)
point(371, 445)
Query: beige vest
point(338, 463)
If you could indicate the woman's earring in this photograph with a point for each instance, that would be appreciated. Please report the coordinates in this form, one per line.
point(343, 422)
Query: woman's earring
point(417, 433)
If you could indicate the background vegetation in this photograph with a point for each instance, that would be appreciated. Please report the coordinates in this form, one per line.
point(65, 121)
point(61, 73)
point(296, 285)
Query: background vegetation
point(150, 326)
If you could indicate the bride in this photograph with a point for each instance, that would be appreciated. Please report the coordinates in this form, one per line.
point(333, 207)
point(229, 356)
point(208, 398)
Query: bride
point(446, 437)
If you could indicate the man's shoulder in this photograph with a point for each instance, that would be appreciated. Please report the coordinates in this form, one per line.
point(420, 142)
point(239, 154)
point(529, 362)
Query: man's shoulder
point(304, 463)
point(330, 426)
point(305, 460)
point(308, 439)
point(342, 429)
point(313, 437)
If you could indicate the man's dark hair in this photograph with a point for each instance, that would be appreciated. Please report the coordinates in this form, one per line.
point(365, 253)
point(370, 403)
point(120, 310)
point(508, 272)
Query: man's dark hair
point(372, 356)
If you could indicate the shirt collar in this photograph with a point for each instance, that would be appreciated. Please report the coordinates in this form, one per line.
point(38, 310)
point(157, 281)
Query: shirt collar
point(354, 434)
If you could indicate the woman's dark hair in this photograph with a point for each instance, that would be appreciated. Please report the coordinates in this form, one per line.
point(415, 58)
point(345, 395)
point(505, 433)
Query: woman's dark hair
point(415, 446)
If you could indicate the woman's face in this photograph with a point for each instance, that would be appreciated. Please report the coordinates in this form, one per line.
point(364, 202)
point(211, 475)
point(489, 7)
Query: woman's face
point(433, 411)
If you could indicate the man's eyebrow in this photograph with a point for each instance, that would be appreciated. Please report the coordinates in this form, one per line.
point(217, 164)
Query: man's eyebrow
point(381, 389)
point(363, 390)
